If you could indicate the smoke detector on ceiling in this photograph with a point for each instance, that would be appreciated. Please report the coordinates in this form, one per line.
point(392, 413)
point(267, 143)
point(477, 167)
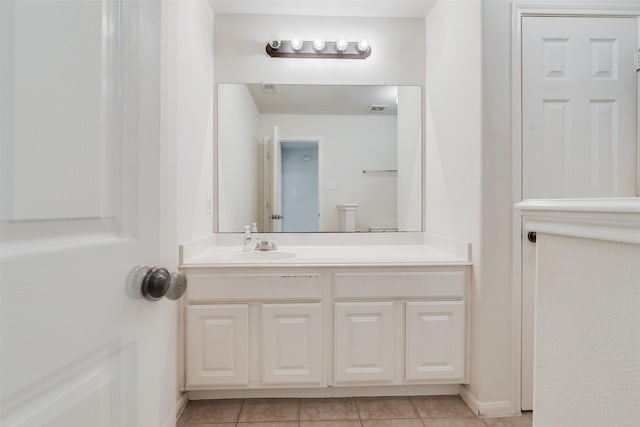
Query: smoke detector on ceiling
point(377, 108)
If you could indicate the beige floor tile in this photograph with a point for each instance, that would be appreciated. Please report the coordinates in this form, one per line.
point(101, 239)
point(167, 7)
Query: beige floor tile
point(526, 420)
point(328, 409)
point(331, 423)
point(255, 410)
point(393, 423)
point(181, 424)
point(453, 422)
point(211, 411)
point(371, 408)
point(441, 406)
point(269, 424)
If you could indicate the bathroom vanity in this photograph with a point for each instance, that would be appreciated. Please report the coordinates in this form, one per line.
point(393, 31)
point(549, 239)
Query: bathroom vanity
point(380, 309)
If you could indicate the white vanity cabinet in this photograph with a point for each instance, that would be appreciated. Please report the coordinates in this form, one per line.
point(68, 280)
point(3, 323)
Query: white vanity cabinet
point(416, 316)
point(325, 326)
point(292, 343)
point(363, 342)
point(253, 330)
point(435, 341)
point(218, 340)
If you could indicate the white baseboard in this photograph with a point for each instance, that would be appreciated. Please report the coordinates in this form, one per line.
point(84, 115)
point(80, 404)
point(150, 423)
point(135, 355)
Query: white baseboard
point(407, 390)
point(181, 404)
point(502, 408)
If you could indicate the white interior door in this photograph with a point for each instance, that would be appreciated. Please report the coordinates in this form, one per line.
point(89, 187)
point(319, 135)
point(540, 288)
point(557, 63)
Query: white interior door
point(80, 110)
point(275, 183)
point(578, 126)
point(579, 107)
point(300, 181)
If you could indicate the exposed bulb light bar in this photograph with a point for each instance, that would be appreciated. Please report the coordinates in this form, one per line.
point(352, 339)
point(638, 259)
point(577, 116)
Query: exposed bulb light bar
point(363, 45)
point(342, 45)
point(296, 44)
point(318, 48)
point(318, 45)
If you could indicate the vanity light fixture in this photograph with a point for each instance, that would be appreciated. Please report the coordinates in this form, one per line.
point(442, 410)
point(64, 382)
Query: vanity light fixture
point(296, 44)
point(319, 44)
point(318, 48)
point(363, 45)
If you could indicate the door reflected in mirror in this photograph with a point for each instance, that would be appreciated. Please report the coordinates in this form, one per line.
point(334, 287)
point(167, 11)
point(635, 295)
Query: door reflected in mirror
point(317, 158)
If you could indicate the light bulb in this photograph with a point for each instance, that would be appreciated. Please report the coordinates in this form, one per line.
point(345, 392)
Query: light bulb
point(296, 44)
point(318, 44)
point(363, 45)
point(341, 45)
point(274, 43)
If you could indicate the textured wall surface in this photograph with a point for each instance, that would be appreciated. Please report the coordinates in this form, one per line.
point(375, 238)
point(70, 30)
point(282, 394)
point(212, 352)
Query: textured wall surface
point(587, 357)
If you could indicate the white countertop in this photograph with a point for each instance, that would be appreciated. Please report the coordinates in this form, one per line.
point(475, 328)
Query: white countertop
point(422, 251)
point(326, 255)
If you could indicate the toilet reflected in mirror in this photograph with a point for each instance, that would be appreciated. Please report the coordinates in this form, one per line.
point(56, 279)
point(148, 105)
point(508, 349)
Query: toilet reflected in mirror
point(347, 217)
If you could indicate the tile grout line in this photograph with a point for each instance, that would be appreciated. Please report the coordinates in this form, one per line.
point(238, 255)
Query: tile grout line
point(415, 408)
point(240, 412)
point(355, 402)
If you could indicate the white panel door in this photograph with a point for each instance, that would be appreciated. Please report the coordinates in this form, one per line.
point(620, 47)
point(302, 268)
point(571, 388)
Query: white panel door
point(218, 343)
point(275, 181)
point(292, 344)
point(435, 341)
point(579, 109)
point(364, 342)
point(80, 151)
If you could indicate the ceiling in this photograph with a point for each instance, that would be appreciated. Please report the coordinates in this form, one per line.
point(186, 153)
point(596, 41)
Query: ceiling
point(356, 8)
point(324, 99)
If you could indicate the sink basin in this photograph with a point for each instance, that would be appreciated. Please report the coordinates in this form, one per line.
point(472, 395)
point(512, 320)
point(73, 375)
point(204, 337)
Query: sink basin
point(261, 256)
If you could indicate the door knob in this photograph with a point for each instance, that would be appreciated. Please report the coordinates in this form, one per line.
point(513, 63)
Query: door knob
point(155, 283)
point(532, 236)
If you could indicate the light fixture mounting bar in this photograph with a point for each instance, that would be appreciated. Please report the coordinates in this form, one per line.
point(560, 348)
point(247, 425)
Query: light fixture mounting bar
point(285, 50)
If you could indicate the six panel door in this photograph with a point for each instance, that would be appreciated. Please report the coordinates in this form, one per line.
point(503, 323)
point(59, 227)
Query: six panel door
point(435, 341)
point(363, 342)
point(292, 344)
point(579, 136)
point(218, 343)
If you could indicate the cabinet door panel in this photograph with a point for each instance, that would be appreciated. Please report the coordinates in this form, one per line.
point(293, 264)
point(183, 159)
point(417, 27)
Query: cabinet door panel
point(218, 343)
point(435, 341)
point(292, 344)
point(363, 342)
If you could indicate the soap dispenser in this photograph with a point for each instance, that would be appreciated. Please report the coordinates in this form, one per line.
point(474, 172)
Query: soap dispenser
point(247, 243)
point(254, 229)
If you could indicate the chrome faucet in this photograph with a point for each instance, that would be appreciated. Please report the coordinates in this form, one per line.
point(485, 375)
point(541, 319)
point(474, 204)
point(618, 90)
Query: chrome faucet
point(266, 245)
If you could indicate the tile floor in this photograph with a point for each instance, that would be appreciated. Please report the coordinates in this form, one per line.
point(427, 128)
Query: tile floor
point(415, 411)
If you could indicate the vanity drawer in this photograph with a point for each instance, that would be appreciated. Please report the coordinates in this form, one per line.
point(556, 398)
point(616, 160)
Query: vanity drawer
point(234, 287)
point(449, 284)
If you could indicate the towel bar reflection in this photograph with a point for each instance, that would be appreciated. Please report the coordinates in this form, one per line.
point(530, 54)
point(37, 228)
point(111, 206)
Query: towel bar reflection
point(379, 171)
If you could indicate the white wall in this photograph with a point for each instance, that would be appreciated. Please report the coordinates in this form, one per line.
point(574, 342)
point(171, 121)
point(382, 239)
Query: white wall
point(190, 103)
point(239, 159)
point(349, 145)
point(493, 334)
point(188, 112)
point(468, 177)
point(587, 357)
point(397, 50)
point(409, 188)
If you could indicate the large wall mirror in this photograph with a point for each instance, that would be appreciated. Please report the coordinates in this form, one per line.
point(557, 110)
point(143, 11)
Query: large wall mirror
point(318, 158)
